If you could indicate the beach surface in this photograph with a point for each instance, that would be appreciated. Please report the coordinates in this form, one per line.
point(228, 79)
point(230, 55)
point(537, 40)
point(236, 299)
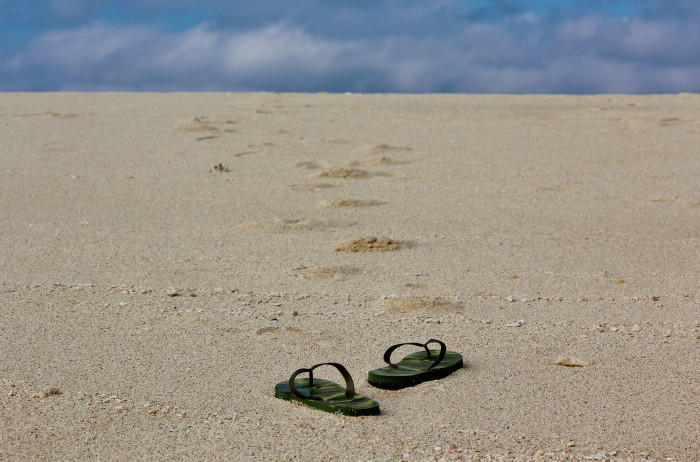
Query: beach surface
point(167, 259)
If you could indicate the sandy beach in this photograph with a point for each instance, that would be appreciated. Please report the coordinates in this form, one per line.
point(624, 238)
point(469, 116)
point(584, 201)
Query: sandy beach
point(167, 259)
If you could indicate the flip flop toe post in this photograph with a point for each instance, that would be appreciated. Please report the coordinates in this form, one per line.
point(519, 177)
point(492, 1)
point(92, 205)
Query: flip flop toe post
point(416, 367)
point(326, 395)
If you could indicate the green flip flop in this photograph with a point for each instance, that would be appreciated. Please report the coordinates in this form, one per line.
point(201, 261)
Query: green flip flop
point(415, 368)
point(326, 395)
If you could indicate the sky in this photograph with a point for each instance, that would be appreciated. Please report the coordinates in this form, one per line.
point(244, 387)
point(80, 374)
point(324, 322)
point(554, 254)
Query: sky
point(361, 46)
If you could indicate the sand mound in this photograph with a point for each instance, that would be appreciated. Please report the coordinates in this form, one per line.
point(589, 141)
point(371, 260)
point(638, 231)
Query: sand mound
point(311, 165)
point(289, 225)
point(383, 148)
point(311, 186)
point(333, 272)
point(406, 304)
point(195, 124)
point(571, 362)
point(381, 160)
point(340, 203)
point(344, 173)
point(370, 244)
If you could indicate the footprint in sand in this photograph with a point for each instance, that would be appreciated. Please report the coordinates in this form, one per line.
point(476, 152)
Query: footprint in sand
point(57, 149)
point(62, 115)
point(353, 203)
point(384, 148)
point(381, 160)
point(279, 131)
point(640, 123)
point(195, 124)
point(52, 114)
point(255, 150)
point(336, 273)
point(665, 200)
point(266, 330)
point(310, 165)
point(204, 124)
point(669, 121)
point(208, 137)
point(371, 244)
point(292, 225)
point(429, 288)
point(344, 173)
point(245, 153)
point(311, 186)
point(634, 123)
point(427, 304)
point(271, 329)
point(678, 121)
point(555, 189)
point(352, 173)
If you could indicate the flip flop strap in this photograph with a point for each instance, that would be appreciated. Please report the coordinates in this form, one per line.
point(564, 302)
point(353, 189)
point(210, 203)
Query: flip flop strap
point(349, 384)
point(441, 355)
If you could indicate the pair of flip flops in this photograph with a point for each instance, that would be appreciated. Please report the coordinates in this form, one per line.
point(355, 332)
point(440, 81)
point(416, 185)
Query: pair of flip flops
point(413, 369)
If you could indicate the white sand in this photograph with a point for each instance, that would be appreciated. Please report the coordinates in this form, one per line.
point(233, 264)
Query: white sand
point(578, 209)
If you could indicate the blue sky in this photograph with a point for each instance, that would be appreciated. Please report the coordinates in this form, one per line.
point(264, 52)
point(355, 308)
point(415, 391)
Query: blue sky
point(477, 46)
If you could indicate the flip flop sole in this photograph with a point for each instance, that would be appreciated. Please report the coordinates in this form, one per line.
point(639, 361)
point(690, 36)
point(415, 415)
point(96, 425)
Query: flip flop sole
point(414, 369)
point(332, 397)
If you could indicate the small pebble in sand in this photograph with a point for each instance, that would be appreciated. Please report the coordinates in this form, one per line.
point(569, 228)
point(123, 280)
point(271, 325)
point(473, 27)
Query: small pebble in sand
point(571, 362)
point(510, 298)
point(295, 313)
point(517, 323)
point(172, 292)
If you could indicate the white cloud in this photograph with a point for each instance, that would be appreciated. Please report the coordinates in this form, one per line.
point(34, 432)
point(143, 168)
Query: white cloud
point(522, 54)
point(280, 48)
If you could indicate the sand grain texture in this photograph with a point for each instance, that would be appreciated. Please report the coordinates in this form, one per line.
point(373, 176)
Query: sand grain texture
point(150, 303)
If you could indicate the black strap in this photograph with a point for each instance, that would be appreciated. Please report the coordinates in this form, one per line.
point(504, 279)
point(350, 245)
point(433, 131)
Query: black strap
point(441, 355)
point(349, 384)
